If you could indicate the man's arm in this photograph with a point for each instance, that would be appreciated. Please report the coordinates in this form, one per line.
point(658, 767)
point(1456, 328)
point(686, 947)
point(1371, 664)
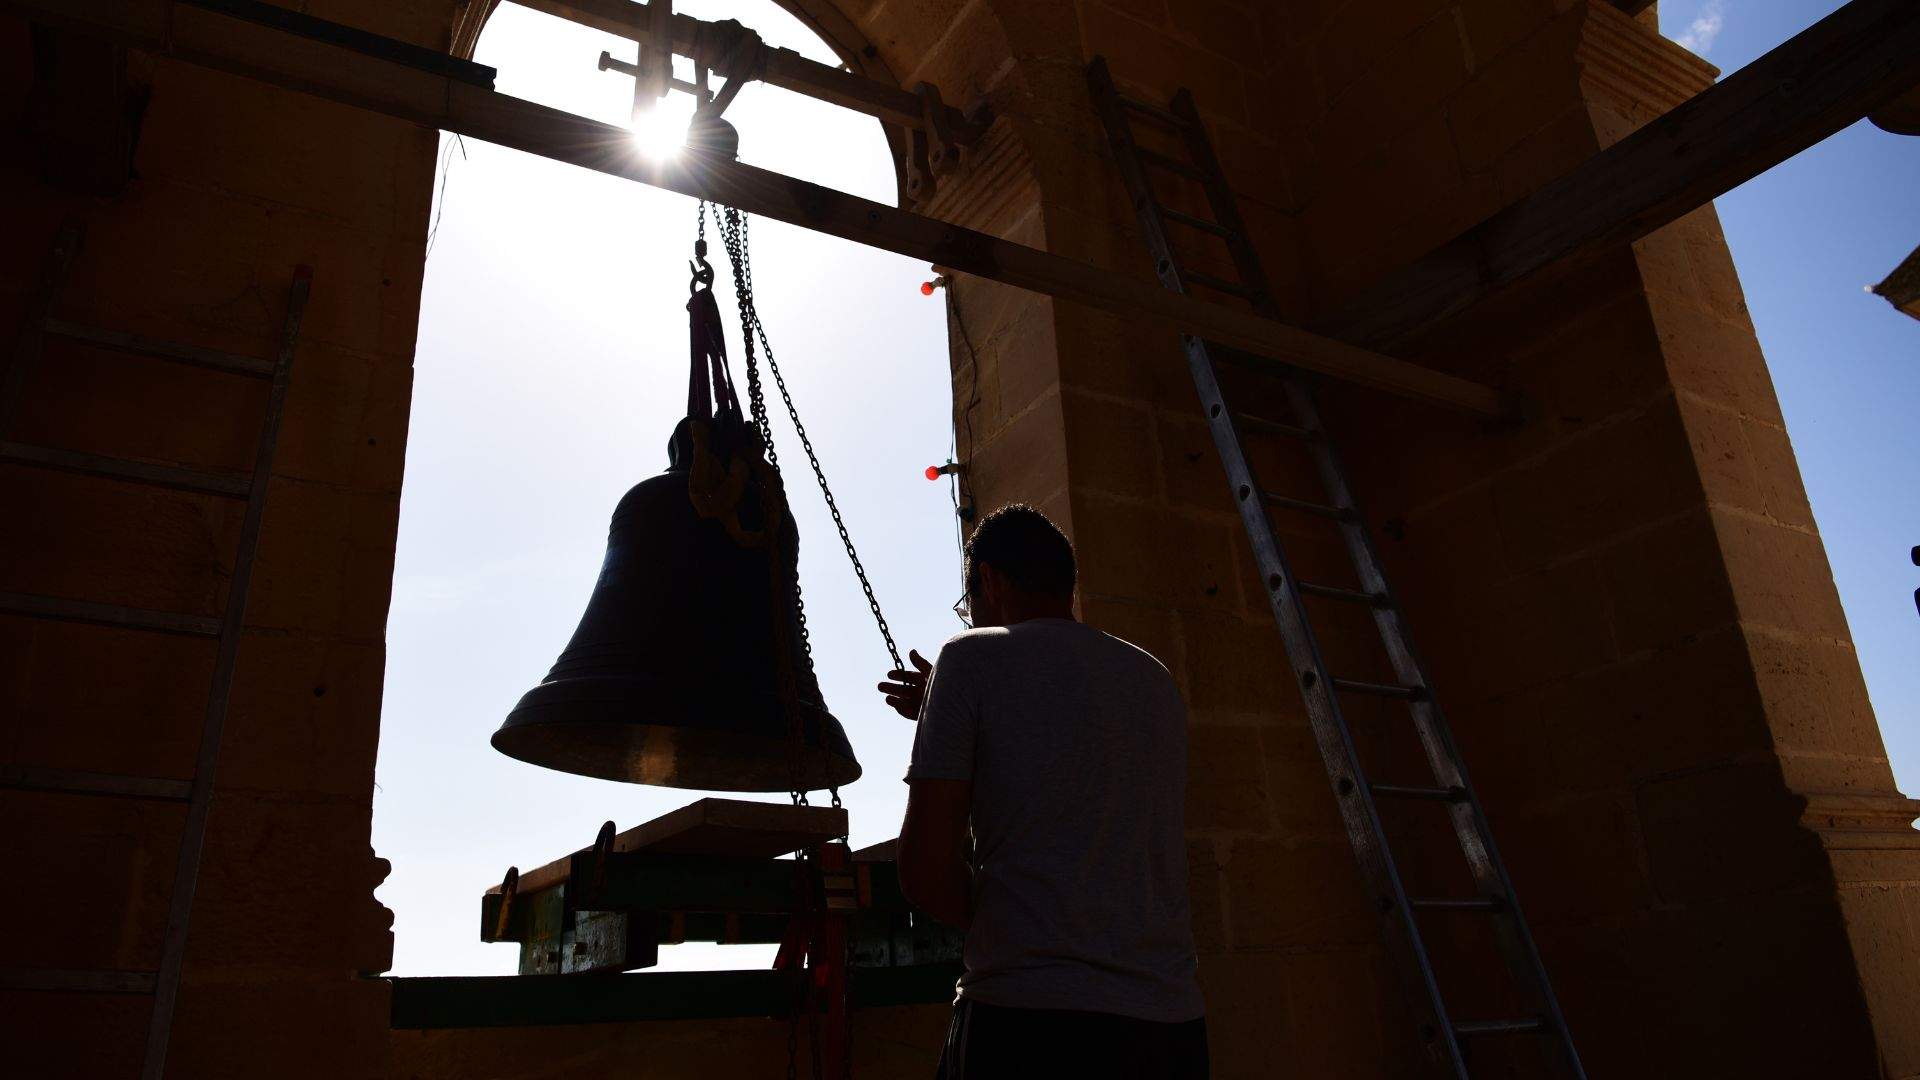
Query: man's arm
point(933, 850)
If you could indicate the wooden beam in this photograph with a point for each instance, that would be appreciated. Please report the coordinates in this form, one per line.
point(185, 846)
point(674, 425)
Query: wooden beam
point(432, 100)
point(1823, 80)
point(1632, 7)
point(783, 67)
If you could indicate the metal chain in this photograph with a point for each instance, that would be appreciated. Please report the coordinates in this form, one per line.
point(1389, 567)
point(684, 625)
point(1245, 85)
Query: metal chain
point(751, 326)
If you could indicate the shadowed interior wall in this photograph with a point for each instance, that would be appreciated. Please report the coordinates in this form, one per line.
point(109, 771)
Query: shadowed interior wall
point(1623, 601)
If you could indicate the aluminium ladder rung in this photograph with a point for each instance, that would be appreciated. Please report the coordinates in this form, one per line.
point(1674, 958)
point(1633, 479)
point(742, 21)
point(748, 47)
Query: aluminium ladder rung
point(1335, 592)
point(1172, 165)
point(73, 782)
point(1288, 502)
point(1387, 690)
point(58, 607)
point(1192, 222)
point(1531, 1025)
point(140, 472)
point(1372, 847)
point(1148, 108)
point(1441, 903)
point(75, 981)
point(1275, 427)
point(1231, 288)
point(1425, 794)
point(178, 352)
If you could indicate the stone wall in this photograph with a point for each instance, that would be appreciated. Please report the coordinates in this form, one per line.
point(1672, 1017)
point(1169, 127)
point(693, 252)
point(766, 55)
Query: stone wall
point(235, 184)
point(1623, 601)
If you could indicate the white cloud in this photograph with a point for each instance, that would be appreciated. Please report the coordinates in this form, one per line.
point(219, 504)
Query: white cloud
point(1705, 27)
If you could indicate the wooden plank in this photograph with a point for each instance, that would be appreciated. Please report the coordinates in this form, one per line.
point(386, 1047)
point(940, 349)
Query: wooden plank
point(737, 827)
point(544, 1000)
point(1837, 71)
point(381, 86)
point(783, 68)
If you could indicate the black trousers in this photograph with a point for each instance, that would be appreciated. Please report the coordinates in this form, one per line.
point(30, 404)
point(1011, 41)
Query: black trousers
point(992, 1042)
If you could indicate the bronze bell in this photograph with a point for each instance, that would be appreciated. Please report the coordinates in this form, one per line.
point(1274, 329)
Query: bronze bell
point(688, 668)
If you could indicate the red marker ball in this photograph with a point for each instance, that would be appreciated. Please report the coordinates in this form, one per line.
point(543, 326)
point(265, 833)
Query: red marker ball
point(933, 472)
point(926, 288)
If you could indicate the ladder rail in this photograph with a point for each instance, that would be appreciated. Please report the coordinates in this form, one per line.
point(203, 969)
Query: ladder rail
point(1470, 825)
point(162, 985)
point(1356, 805)
point(1355, 795)
point(232, 626)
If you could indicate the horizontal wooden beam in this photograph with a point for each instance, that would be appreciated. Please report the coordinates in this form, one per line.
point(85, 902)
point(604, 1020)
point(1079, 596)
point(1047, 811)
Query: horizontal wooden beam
point(783, 67)
point(545, 1000)
point(383, 86)
point(1837, 71)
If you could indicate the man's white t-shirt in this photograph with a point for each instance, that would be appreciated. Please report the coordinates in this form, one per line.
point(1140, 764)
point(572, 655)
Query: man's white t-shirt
point(1076, 745)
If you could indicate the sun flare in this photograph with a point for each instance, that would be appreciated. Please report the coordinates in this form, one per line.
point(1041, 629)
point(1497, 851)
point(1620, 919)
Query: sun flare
point(660, 132)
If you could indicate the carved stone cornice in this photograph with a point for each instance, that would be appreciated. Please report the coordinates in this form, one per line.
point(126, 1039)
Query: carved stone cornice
point(1639, 72)
point(1862, 821)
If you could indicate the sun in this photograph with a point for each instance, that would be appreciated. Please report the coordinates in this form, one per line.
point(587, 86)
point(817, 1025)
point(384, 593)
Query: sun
point(661, 131)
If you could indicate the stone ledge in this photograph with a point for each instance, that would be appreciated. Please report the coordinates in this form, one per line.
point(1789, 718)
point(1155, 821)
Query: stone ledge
point(1625, 60)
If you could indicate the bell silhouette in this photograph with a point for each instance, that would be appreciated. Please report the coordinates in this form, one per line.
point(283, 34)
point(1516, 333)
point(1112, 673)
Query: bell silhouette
point(689, 668)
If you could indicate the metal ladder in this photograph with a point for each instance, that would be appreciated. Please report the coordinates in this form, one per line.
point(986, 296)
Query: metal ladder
point(1443, 1037)
point(197, 791)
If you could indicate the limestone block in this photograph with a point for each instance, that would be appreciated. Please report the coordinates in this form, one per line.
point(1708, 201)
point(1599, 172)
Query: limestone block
point(1303, 894)
point(286, 891)
point(1662, 712)
point(101, 699)
point(99, 401)
point(1886, 939)
point(1148, 554)
point(1814, 698)
point(1296, 778)
point(1713, 358)
point(312, 154)
point(1111, 446)
point(1145, 625)
point(1206, 888)
point(1026, 460)
point(1237, 668)
point(1514, 95)
point(897, 1041)
point(115, 1027)
point(1666, 585)
point(305, 716)
point(1109, 354)
point(1225, 784)
point(1491, 27)
point(1146, 63)
point(1608, 479)
point(279, 1027)
point(103, 541)
point(1535, 629)
point(102, 869)
point(326, 561)
point(1780, 576)
point(1724, 832)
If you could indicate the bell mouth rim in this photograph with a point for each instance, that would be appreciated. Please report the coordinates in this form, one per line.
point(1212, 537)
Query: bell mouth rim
point(667, 755)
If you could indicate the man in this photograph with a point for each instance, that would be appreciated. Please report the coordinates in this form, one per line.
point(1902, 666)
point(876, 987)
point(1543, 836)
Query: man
point(1065, 749)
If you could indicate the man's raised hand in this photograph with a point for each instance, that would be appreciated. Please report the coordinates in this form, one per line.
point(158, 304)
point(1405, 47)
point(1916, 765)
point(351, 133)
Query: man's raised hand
point(906, 689)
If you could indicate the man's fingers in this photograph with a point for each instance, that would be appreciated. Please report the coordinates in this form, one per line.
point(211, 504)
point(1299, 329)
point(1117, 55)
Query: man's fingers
point(894, 689)
point(919, 661)
point(911, 678)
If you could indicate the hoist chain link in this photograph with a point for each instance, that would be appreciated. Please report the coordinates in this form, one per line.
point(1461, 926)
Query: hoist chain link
point(734, 227)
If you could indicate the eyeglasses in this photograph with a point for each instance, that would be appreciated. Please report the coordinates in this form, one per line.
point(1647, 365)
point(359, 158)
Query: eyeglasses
point(963, 608)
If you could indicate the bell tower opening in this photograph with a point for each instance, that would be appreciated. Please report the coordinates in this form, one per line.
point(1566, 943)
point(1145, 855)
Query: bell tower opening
point(550, 371)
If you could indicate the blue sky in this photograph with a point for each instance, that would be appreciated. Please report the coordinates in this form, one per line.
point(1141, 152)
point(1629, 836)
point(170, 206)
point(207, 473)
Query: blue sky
point(550, 370)
point(1807, 237)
